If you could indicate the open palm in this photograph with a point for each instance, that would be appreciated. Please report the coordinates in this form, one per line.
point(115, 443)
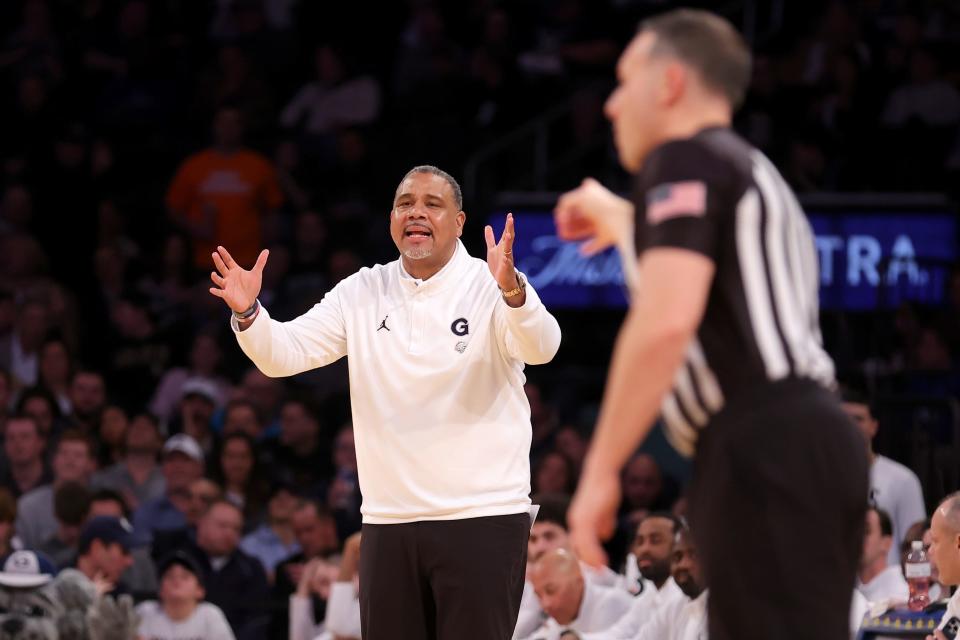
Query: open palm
point(236, 286)
point(500, 255)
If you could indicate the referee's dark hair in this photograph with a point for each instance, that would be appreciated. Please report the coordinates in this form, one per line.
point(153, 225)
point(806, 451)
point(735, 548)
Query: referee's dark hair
point(886, 524)
point(553, 508)
point(707, 43)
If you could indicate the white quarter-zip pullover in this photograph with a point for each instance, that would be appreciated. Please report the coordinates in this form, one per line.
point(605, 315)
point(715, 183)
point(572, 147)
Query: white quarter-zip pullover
point(441, 421)
point(643, 609)
point(600, 607)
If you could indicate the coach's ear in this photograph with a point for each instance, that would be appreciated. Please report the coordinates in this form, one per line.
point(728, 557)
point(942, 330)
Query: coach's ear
point(461, 220)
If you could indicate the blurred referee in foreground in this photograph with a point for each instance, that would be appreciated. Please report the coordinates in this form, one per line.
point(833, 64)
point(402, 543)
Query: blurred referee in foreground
point(722, 339)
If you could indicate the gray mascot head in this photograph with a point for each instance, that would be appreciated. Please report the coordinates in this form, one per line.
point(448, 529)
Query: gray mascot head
point(35, 604)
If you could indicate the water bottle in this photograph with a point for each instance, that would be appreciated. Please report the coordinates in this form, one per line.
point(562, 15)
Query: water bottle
point(917, 571)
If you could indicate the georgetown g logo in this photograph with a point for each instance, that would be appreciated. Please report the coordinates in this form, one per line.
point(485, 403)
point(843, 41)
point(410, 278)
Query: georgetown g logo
point(460, 327)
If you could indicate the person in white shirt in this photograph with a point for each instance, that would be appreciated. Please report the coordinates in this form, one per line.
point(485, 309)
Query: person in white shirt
point(181, 613)
point(343, 606)
point(659, 540)
point(437, 341)
point(893, 487)
point(878, 580)
point(337, 587)
point(571, 602)
point(315, 582)
point(549, 532)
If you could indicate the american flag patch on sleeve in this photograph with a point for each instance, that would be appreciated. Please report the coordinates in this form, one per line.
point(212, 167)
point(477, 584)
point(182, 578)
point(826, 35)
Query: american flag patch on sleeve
point(675, 199)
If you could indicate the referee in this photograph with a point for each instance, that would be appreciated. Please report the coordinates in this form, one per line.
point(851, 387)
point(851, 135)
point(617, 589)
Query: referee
point(722, 340)
point(437, 342)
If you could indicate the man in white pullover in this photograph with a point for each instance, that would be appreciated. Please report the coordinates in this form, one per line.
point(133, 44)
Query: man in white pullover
point(437, 342)
point(571, 602)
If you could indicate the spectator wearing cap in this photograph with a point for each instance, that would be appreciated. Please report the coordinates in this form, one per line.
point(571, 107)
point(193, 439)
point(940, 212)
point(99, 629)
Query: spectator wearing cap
point(71, 504)
point(200, 377)
point(137, 476)
point(196, 409)
point(181, 613)
point(103, 551)
point(73, 461)
point(274, 540)
point(182, 463)
point(24, 447)
point(234, 581)
point(141, 576)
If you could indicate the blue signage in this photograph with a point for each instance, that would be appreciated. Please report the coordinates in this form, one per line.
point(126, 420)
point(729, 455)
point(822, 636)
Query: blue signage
point(867, 260)
point(880, 260)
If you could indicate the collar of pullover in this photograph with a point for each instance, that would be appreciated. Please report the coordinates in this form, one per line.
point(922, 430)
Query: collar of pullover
point(440, 280)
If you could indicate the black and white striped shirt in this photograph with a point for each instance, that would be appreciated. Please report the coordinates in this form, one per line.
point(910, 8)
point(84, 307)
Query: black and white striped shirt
point(716, 195)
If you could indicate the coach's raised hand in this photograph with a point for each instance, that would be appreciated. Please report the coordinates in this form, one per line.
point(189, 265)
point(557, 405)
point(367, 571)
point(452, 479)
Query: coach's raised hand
point(593, 213)
point(500, 262)
point(236, 286)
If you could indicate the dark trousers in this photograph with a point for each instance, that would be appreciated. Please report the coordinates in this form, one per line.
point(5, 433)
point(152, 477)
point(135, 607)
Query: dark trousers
point(444, 579)
point(777, 509)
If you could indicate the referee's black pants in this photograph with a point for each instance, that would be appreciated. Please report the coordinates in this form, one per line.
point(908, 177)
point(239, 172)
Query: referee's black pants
point(777, 508)
point(443, 579)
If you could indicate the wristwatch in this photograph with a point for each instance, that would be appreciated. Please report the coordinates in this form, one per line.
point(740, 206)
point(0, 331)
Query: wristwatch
point(248, 313)
point(521, 286)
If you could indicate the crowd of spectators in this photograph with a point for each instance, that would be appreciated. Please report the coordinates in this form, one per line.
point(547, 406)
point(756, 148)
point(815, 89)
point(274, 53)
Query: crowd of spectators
point(137, 135)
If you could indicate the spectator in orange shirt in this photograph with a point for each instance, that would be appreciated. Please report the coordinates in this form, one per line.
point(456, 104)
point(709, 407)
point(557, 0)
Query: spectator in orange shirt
point(223, 194)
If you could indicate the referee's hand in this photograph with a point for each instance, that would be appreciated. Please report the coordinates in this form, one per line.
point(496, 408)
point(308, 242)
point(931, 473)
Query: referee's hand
point(593, 515)
point(235, 285)
point(593, 213)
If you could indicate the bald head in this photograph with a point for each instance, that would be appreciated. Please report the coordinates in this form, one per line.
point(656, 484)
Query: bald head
point(558, 562)
point(950, 512)
point(558, 584)
point(945, 539)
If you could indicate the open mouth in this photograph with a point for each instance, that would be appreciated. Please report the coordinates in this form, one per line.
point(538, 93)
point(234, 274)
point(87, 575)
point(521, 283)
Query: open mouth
point(416, 231)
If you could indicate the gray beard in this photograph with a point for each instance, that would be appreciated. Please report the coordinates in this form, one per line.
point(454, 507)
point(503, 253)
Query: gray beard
point(418, 253)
